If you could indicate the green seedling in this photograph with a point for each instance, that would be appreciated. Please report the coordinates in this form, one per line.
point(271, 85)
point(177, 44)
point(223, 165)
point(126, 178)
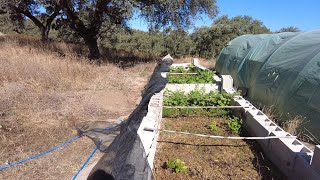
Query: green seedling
point(213, 126)
point(178, 166)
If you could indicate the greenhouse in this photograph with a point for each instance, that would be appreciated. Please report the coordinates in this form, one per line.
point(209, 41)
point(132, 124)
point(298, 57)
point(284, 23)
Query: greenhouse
point(279, 70)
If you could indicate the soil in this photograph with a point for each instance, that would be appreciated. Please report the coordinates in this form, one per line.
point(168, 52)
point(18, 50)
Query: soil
point(210, 158)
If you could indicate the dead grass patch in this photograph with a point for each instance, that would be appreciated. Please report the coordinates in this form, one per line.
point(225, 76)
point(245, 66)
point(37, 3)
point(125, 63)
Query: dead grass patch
point(44, 96)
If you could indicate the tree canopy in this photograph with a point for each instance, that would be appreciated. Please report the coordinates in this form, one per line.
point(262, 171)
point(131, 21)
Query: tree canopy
point(210, 40)
point(104, 23)
point(86, 18)
point(289, 29)
point(41, 12)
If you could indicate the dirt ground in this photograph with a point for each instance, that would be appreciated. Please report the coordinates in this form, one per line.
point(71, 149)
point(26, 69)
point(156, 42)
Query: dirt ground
point(44, 97)
point(209, 158)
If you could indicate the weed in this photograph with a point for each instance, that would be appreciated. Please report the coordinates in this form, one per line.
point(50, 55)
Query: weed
point(235, 124)
point(292, 125)
point(213, 126)
point(177, 166)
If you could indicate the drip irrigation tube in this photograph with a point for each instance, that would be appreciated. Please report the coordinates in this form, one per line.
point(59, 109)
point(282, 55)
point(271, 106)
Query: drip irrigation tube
point(204, 107)
point(182, 73)
point(217, 137)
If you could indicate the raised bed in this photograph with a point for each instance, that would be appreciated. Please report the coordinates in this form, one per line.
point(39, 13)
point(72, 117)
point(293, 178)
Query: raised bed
point(295, 160)
point(190, 75)
point(207, 158)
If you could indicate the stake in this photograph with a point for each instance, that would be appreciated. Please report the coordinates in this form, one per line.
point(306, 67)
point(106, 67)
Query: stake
point(217, 137)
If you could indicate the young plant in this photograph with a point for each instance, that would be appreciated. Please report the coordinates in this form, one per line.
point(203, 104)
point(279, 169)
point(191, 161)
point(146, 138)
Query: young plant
point(235, 124)
point(177, 166)
point(213, 126)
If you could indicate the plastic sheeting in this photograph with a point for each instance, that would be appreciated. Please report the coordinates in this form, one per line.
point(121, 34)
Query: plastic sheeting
point(125, 158)
point(280, 70)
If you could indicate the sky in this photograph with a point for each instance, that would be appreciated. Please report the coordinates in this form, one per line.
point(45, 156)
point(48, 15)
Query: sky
point(275, 14)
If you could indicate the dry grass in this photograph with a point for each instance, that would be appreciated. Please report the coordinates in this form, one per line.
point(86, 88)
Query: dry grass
point(292, 125)
point(45, 93)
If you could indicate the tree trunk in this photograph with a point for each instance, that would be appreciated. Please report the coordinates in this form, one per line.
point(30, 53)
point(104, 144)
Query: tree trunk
point(92, 44)
point(45, 33)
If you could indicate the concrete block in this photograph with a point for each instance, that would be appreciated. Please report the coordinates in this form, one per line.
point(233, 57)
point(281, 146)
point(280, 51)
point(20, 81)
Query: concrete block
point(152, 119)
point(288, 154)
point(227, 82)
point(167, 57)
point(195, 61)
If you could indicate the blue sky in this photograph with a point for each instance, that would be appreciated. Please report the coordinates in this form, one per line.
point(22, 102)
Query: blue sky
point(275, 14)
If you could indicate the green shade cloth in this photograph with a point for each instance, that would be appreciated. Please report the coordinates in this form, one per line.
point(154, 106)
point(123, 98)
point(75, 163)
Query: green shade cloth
point(280, 70)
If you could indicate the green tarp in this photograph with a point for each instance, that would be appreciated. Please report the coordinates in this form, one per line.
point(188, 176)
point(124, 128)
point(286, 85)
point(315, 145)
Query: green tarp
point(280, 70)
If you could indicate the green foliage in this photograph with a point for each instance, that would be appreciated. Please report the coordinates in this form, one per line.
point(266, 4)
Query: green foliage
point(209, 41)
point(177, 165)
point(41, 13)
point(202, 76)
point(213, 126)
point(289, 29)
point(218, 112)
point(177, 42)
point(235, 124)
point(177, 98)
point(158, 43)
point(196, 98)
point(9, 23)
point(178, 69)
point(170, 112)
